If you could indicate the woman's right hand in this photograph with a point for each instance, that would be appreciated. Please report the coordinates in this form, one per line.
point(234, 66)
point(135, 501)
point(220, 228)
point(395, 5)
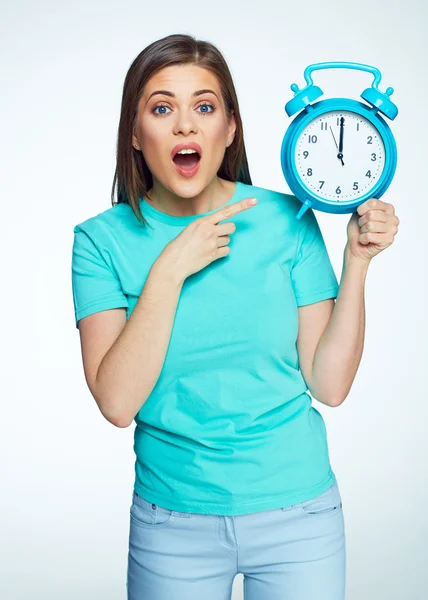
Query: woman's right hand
point(202, 241)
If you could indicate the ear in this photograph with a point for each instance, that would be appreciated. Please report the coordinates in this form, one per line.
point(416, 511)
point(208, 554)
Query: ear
point(231, 126)
point(135, 143)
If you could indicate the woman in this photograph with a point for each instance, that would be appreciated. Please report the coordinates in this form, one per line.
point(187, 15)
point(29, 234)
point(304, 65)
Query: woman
point(213, 358)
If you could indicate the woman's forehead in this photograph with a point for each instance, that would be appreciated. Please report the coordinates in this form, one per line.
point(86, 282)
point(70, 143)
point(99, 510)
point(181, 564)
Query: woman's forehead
point(181, 78)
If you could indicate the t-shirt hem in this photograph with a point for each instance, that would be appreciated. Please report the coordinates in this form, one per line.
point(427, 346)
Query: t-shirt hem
point(111, 302)
point(330, 292)
point(242, 508)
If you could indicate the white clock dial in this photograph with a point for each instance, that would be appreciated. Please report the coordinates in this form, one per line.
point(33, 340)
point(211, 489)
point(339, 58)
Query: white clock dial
point(340, 176)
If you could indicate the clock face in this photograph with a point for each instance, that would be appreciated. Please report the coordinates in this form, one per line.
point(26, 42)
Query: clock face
point(340, 156)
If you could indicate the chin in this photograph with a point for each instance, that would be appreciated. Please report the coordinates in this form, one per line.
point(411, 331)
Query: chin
point(189, 188)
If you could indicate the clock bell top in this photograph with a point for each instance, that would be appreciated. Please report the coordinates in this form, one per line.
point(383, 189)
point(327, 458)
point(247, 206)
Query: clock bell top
point(372, 95)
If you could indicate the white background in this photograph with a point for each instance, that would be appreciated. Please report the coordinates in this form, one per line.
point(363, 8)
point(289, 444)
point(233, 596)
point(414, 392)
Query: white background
point(66, 473)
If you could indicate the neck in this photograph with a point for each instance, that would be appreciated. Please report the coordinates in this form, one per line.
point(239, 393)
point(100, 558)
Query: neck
point(214, 195)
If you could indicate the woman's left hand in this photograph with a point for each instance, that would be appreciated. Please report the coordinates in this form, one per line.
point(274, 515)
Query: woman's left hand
point(371, 229)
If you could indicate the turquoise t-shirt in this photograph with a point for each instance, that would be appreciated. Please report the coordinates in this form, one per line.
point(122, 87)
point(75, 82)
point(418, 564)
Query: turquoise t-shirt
point(229, 427)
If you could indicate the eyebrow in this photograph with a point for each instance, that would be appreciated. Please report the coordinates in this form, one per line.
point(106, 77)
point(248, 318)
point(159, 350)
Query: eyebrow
point(168, 93)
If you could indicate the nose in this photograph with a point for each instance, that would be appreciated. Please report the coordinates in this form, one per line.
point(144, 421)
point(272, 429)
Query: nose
point(185, 122)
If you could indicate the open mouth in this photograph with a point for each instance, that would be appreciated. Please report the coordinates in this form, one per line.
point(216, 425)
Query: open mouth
point(187, 161)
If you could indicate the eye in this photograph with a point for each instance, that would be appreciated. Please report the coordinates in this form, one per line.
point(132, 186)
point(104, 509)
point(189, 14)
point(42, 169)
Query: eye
point(159, 106)
point(207, 104)
point(204, 112)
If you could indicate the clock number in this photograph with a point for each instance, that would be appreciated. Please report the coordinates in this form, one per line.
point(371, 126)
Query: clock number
point(323, 126)
point(309, 172)
point(338, 121)
point(305, 154)
point(313, 139)
point(369, 174)
point(358, 127)
point(369, 139)
point(355, 185)
point(338, 190)
point(322, 183)
point(373, 156)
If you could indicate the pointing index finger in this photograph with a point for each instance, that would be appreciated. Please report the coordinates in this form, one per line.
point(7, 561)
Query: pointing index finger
point(233, 209)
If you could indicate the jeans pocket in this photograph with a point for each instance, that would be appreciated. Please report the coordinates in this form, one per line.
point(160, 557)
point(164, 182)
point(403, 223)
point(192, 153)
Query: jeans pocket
point(327, 503)
point(148, 515)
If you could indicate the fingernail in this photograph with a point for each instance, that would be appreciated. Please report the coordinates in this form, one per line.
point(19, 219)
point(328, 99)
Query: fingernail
point(252, 201)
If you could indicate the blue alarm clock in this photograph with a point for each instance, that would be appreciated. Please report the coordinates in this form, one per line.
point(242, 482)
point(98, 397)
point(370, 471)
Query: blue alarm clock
point(337, 153)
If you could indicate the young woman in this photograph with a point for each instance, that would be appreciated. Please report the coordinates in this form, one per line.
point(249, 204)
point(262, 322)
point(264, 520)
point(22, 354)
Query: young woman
point(206, 319)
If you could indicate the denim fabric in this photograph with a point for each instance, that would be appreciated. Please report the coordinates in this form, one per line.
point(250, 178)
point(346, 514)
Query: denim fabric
point(294, 552)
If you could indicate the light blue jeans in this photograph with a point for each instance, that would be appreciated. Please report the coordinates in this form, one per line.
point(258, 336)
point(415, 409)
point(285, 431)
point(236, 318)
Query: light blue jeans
point(291, 553)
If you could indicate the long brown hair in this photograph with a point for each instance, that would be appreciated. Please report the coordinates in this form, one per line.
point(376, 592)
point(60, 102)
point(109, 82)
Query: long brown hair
point(132, 178)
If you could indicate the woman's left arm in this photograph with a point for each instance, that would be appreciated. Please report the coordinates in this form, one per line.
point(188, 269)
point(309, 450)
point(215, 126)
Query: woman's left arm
point(338, 353)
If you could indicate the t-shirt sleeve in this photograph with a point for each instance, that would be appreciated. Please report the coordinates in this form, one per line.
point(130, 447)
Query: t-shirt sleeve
point(95, 285)
point(312, 273)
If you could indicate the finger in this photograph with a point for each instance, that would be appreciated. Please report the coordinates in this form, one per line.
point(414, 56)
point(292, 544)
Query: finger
point(373, 215)
point(226, 228)
point(376, 238)
point(375, 227)
point(229, 211)
point(223, 240)
point(378, 215)
point(374, 203)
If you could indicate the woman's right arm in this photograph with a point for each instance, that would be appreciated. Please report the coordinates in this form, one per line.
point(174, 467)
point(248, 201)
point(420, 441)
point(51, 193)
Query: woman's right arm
point(122, 377)
point(131, 367)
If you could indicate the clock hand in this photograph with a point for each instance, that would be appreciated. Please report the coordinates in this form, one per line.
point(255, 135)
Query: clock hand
point(340, 155)
point(334, 137)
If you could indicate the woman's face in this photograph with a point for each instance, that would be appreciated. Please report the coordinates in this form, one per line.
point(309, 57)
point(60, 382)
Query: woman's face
point(185, 118)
